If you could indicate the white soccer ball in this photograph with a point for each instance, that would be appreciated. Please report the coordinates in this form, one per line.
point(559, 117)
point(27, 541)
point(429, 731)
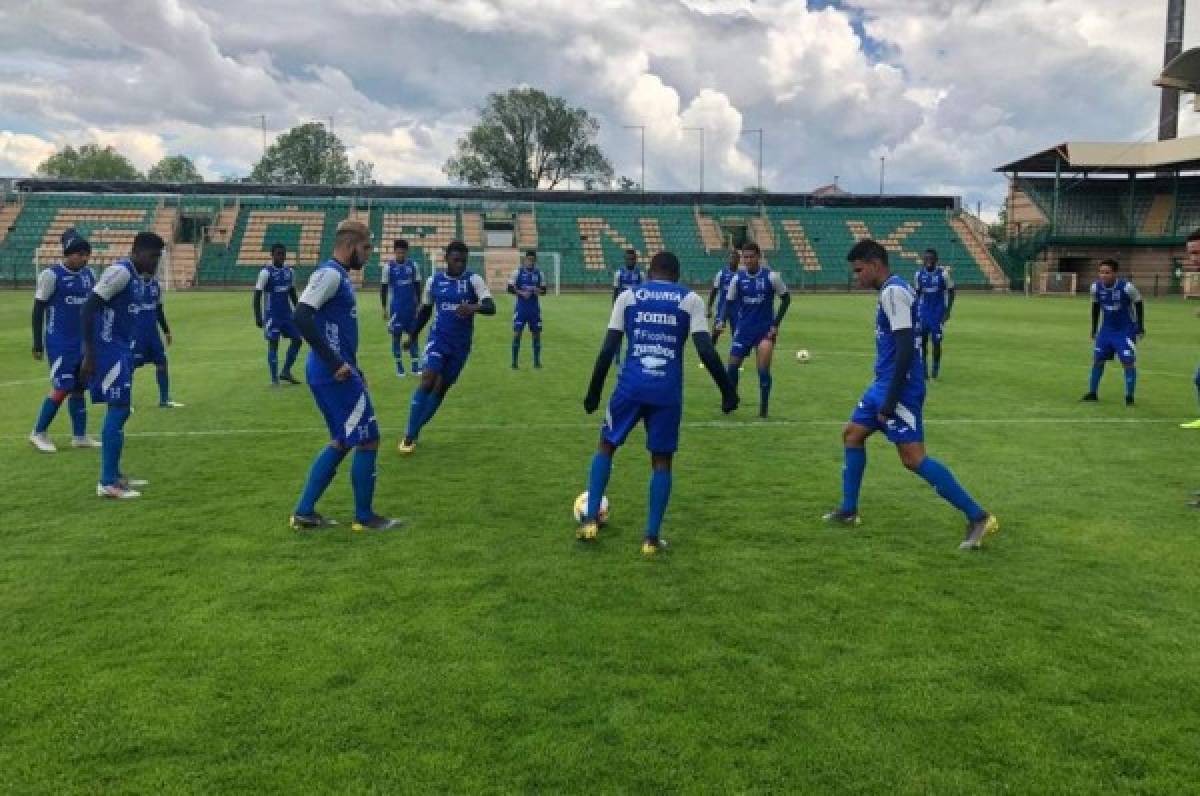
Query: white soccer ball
point(581, 508)
point(802, 356)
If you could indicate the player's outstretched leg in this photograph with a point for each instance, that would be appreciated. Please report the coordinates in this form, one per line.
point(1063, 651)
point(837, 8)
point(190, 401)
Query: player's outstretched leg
point(937, 356)
point(1093, 393)
point(1130, 383)
point(979, 522)
point(320, 475)
point(854, 466)
point(598, 475)
point(362, 480)
point(660, 496)
point(112, 442)
point(39, 439)
point(162, 375)
point(398, 352)
point(273, 361)
point(77, 407)
point(424, 404)
point(289, 360)
point(537, 348)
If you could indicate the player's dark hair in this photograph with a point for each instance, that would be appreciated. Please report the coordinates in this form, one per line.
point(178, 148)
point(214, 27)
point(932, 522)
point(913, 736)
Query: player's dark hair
point(148, 241)
point(1195, 235)
point(278, 247)
point(867, 249)
point(666, 264)
point(457, 246)
point(531, 253)
point(631, 251)
point(399, 243)
point(932, 251)
point(1111, 263)
point(751, 246)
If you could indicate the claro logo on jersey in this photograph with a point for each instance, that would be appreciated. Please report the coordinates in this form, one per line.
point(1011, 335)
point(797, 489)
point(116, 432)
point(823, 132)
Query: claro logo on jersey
point(658, 318)
point(75, 300)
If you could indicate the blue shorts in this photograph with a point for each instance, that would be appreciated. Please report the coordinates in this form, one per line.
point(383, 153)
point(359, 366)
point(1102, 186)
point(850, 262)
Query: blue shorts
point(64, 367)
point(930, 323)
point(402, 323)
point(444, 360)
point(347, 410)
point(662, 423)
point(149, 351)
point(273, 330)
point(905, 425)
point(1122, 346)
point(746, 339)
point(112, 381)
point(531, 319)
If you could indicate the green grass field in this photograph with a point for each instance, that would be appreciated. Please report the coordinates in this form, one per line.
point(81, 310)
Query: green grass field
point(190, 642)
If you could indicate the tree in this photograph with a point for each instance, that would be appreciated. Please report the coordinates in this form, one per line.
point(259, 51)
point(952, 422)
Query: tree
point(305, 155)
point(364, 173)
point(526, 139)
point(174, 168)
point(89, 162)
point(628, 185)
point(754, 190)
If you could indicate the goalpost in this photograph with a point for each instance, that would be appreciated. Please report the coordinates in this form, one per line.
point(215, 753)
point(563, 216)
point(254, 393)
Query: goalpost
point(1057, 283)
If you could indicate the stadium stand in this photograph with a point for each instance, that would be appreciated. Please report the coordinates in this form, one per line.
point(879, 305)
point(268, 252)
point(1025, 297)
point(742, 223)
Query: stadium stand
point(588, 232)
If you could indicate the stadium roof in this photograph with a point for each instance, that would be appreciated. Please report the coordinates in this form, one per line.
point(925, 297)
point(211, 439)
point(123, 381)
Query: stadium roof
point(1075, 156)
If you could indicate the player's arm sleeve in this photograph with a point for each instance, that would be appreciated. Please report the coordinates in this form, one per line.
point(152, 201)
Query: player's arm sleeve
point(1139, 307)
point(610, 346)
point(160, 315)
point(46, 282)
point(511, 287)
point(426, 310)
point(949, 293)
point(897, 305)
point(111, 282)
point(383, 289)
point(39, 320)
point(730, 297)
point(322, 286)
point(541, 284)
point(1095, 311)
point(487, 304)
point(785, 298)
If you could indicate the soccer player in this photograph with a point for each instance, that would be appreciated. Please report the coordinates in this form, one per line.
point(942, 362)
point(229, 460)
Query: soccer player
point(935, 293)
point(452, 298)
point(109, 319)
point(719, 293)
point(327, 317)
point(626, 277)
point(892, 404)
point(61, 291)
point(1124, 322)
point(658, 320)
point(527, 284)
point(402, 283)
point(276, 284)
point(1193, 253)
point(753, 291)
point(148, 346)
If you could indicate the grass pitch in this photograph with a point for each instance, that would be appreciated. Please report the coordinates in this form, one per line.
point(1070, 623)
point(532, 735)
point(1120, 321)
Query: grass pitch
point(189, 641)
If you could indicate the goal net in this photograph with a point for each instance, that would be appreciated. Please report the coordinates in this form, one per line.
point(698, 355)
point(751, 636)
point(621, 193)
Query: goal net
point(1056, 283)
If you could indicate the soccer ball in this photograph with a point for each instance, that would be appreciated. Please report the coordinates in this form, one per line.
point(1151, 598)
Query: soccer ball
point(581, 508)
point(802, 356)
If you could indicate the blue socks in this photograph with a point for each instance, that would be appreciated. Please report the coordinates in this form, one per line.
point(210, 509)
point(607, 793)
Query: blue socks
point(414, 353)
point(852, 476)
point(537, 352)
point(660, 495)
point(290, 358)
point(46, 415)
point(431, 406)
point(112, 440)
point(362, 480)
point(164, 384)
point(273, 360)
point(398, 353)
point(732, 372)
point(1130, 382)
point(516, 350)
point(421, 409)
point(944, 483)
point(764, 391)
point(598, 482)
point(324, 467)
point(1094, 380)
point(77, 406)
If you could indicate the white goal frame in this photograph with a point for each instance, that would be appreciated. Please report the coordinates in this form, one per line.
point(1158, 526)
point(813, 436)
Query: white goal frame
point(1058, 283)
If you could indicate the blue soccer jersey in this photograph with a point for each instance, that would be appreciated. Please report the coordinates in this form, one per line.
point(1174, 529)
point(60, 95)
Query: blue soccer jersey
point(657, 318)
point(276, 284)
point(445, 293)
point(721, 285)
point(1117, 307)
point(755, 296)
point(64, 292)
point(146, 324)
point(114, 331)
point(627, 277)
point(933, 292)
point(530, 279)
point(896, 311)
point(331, 295)
point(404, 286)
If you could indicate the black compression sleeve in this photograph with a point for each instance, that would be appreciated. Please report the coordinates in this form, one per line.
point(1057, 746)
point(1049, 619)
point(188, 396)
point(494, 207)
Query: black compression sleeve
point(256, 302)
point(423, 316)
point(785, 301)
point(905, 351)
point(383, 290)
point(306, 322)
point(161, 316)
point(612, 343)
point(39, 320)
point(712, 362)
point(1141, 316)
point(1095, 317)
point(487, 306)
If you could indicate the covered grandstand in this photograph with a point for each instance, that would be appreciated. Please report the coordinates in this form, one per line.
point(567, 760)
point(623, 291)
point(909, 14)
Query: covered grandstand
point(1073, 204)
point(220, 234)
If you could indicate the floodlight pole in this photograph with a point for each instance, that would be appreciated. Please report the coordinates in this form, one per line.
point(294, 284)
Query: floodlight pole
point(882, 164)
point(760, 159)
point(1168, 110)
point(642, 129)
point(701, 131)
